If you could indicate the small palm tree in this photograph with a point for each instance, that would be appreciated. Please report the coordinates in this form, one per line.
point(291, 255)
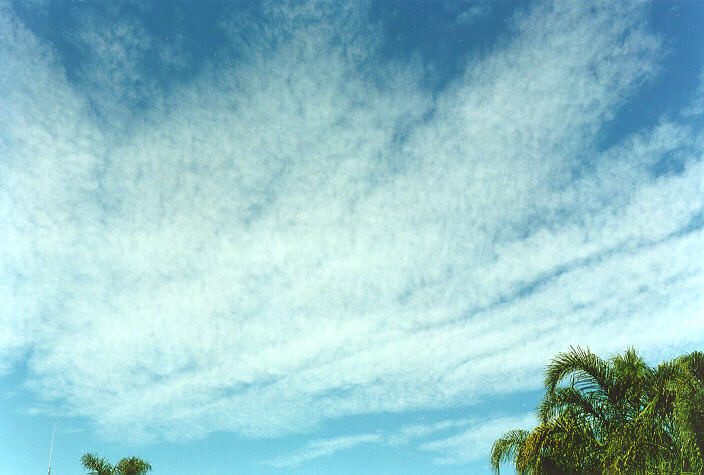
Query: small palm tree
point(97, 465)
point(132, 466)
point(126, 466)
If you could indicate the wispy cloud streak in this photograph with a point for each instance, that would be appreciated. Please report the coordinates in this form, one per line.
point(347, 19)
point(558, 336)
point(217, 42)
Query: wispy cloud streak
point(451, 440)
point(321, 448)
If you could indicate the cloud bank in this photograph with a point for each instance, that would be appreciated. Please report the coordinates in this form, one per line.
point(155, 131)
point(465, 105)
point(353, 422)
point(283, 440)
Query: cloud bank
point(309, 233)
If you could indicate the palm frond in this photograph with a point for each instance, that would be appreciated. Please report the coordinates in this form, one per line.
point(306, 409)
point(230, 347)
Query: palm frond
point(132, 466)
point(589, 372)
point(582, 403)
point(97, 464)
point(507, 447)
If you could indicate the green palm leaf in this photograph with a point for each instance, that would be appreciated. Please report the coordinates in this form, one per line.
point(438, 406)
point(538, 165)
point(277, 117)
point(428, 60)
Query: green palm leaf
point(588, 371)
point(507, 447)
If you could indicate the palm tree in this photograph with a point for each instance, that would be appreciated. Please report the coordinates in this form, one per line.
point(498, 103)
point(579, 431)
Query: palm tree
point(616, 416)
point(132, 466)
point(126, 466)
point(679, 402)
point(96, 464)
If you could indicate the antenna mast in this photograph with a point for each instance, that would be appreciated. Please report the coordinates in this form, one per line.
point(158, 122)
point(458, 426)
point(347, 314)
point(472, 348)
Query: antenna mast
point(51, 451)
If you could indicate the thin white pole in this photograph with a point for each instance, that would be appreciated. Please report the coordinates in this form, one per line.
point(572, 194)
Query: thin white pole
point(51, 450)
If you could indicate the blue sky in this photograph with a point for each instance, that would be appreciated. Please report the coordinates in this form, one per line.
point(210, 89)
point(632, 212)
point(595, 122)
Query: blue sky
point(326, 237)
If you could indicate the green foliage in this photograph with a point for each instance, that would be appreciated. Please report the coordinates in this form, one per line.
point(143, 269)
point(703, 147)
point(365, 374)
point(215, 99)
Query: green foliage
point(94, 463)
point(613, 416)
point(132, 466)
point(509, 447)
point(126, 466)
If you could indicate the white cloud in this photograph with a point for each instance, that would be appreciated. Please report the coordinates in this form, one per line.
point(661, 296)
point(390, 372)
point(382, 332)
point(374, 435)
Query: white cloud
point(472, 441)
point(324, 447)
point(412, 432)
point(696, 106)
point(473, 13)
point(308, 234)
point(475, 442)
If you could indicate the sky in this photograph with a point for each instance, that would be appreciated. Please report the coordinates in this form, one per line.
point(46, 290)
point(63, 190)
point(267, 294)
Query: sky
point(334, 237)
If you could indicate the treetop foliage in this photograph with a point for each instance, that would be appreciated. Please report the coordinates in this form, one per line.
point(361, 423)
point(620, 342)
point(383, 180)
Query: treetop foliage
point(613, 416)
point(126, 466)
